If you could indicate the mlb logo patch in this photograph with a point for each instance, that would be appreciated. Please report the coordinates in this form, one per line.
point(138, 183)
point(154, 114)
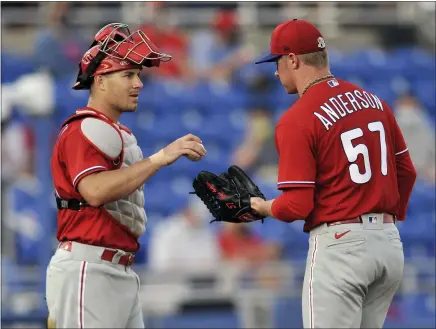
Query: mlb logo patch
point(333, 83)
point(372, 219)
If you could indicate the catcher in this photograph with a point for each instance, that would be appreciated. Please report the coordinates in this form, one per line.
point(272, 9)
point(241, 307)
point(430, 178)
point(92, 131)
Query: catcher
point(98, 173)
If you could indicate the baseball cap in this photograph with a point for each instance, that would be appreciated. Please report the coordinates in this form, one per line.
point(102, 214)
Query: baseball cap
point(297, 36)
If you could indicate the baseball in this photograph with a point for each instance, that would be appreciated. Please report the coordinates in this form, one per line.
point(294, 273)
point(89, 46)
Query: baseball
point(196, 157)
point(202, 146)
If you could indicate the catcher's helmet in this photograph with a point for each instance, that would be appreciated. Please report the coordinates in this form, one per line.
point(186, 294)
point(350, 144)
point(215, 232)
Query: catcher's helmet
point(114, 49)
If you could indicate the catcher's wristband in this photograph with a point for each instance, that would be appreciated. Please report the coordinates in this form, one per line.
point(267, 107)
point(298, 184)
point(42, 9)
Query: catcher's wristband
point(158, 159)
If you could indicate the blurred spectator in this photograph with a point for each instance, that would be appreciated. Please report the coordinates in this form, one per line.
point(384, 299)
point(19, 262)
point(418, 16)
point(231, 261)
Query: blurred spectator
point(184, 241)
point(241, 245)
point(17, 150)
point(250, 254)
point(58, 47)
point(217, 54)
point(170, 40)
point(257, 153)
point(419, 135)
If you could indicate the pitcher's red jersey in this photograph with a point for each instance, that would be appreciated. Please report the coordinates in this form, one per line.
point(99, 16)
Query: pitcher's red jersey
point(343, 141)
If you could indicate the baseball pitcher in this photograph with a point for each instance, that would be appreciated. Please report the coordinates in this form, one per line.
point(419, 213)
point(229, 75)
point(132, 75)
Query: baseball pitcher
point(98, 173)
point(345, 169)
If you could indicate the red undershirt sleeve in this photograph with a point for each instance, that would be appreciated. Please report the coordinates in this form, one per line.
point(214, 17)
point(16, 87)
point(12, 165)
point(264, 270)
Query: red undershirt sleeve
point(293, 204)
point(297, 163)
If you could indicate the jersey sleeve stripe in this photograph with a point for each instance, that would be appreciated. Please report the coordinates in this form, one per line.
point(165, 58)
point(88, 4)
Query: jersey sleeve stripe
point(401, 152)
point(63, 130)
point(295, 182)
point(85, 171)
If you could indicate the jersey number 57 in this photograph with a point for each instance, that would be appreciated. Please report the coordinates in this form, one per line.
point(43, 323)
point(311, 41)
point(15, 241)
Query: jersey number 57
point(352, 152)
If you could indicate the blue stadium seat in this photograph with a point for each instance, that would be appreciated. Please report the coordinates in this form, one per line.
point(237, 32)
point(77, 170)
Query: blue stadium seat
point(416, 62)
point(420, 307)
point(184, 167)
point(425, 91)
point(366, 63)
point(425, 190)
point(217, 158)
point(422, 199)
point(287, 313)
point(279, 100)
point(226, 128)
point(165, 127)
point(269, 189)
point(382, 90)
point(130, 120)
point(161, 198)
point(25, 196)
point(191, 119)
point(180, 186)
point(399, 84)
point(67, 101)
point(219, 98)
point(217, 131)
point(148, 97)
point(15, 65)
point(173, 97)
point(418, 235)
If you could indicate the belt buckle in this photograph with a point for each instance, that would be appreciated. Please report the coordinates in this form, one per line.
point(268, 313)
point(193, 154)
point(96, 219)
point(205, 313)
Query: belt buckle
point(64, 204)
point(65, 245)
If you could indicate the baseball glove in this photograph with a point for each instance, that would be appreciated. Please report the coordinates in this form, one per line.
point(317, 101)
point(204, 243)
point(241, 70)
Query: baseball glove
point(227, 195)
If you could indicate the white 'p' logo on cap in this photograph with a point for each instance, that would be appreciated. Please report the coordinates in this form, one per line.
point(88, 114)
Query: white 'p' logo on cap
point(321, 43)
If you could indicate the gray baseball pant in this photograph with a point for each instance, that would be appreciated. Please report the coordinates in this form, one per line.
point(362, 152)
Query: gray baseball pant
point(350, 280)
point(84, 291)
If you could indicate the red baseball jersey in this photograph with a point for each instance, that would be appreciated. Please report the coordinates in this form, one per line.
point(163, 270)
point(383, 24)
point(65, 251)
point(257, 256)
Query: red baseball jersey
point(75, 157)
point(341, 140)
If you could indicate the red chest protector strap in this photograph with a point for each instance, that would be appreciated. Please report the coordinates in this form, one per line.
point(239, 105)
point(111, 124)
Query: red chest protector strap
point(86, 113)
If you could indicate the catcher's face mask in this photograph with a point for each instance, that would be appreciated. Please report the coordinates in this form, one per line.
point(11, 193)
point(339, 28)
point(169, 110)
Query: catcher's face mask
point(116, 44)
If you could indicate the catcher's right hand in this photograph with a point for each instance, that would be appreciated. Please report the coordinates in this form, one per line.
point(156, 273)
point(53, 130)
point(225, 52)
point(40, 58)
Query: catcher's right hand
point(227, 196)
point(188, 145)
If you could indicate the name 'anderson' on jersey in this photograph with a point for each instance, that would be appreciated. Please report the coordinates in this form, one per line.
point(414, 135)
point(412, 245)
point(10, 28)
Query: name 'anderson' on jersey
point(341, 105)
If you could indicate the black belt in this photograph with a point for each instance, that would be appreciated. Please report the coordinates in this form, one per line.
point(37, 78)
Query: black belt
point(72, 204)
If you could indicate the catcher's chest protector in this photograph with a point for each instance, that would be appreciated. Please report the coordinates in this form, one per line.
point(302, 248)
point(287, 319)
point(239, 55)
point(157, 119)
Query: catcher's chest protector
point(129, 210)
